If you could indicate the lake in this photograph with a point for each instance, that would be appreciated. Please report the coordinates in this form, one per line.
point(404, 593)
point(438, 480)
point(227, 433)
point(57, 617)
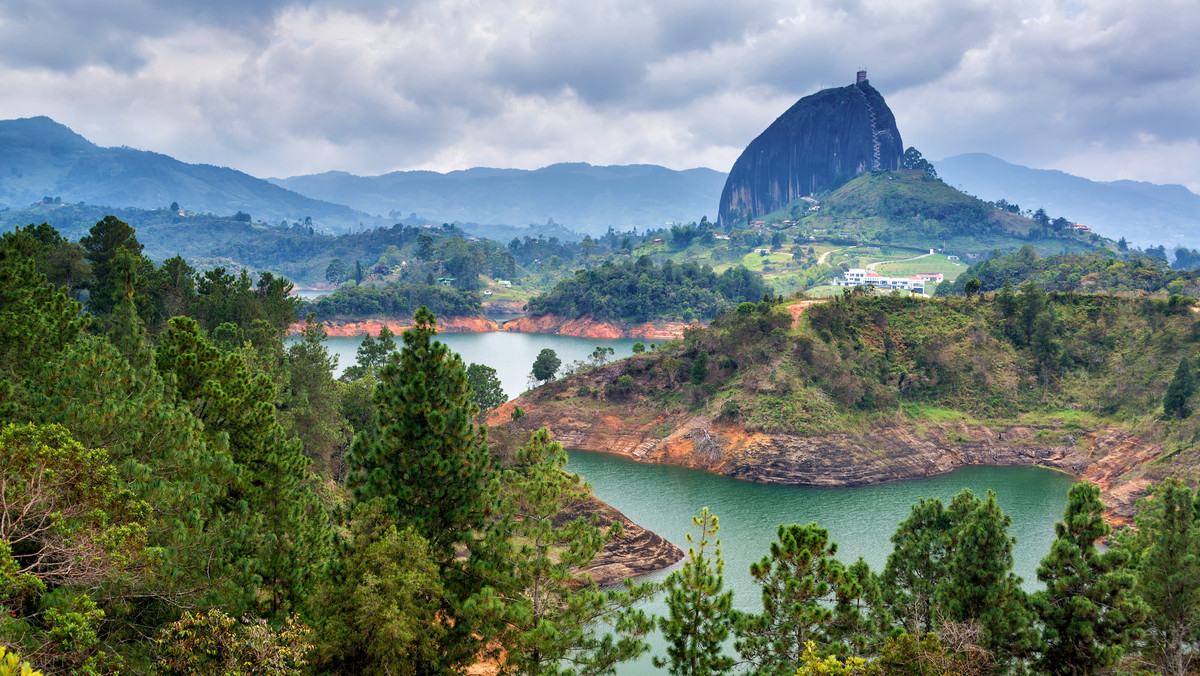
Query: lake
point(511, 354)
point(861, 520)
point(664, 498)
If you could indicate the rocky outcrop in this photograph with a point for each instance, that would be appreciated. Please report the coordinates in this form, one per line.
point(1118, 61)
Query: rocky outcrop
point(372, 326)
point(1112, 459)
point(636, 552)
point(586, 327)
point(821, 142)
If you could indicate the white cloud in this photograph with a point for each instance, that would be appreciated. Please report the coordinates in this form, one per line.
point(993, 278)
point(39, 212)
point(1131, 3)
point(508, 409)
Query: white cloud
point(1103, 88)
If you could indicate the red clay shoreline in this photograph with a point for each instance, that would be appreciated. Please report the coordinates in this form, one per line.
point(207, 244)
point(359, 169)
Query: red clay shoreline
point(584, 327)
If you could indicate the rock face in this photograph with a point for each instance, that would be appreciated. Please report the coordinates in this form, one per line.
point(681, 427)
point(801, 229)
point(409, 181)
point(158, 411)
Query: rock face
point(1112, 459)
point(821, 142)
point(637, 552)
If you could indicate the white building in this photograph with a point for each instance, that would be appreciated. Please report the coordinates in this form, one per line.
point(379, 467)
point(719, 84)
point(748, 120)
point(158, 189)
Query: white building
point(861, 277)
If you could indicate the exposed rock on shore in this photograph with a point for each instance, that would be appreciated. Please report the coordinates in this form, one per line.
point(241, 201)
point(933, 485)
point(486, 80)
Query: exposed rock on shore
point(1112, 459)
point(373, 326)
point(586, 327)
point(638, 551)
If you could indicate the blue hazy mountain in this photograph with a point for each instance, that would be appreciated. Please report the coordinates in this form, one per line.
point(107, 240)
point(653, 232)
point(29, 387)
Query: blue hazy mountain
point(580, 196)
point(42, 158)
point(1145, 214)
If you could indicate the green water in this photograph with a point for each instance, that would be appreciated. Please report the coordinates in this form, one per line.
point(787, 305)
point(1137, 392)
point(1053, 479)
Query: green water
point(663, 498)
point(511, 354)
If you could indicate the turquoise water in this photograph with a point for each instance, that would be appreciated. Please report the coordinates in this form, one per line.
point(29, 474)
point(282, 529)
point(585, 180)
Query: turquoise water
point(664, 498)
point(861, 520)
point(511, 354)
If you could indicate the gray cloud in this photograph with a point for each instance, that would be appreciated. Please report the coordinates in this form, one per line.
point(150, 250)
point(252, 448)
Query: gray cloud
point(281, 87)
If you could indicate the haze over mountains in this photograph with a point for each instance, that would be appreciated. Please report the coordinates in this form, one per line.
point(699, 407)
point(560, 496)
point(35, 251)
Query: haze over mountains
point(1145, 214)
point(42, 158)
point(584, 198)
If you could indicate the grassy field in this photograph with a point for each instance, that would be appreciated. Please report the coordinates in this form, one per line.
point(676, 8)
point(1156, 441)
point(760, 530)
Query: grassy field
point(935, 263)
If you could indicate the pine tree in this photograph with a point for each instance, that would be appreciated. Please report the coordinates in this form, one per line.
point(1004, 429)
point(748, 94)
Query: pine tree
point(427, 461)
point(1180, 390)
point(799, 580)
point(1088, 611)
point(551, 608)
point(1167, 558)
point(285, 540)
point(430, 470)
point(310, 403)
point(698, 623)
point(980, 585)
point(37, 321)
point(917, 565)
point(102, 245)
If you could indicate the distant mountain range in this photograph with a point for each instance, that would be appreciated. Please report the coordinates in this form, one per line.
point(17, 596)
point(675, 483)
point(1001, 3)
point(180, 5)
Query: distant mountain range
point(584, 198)
point(42, 158)
point(1145, 214)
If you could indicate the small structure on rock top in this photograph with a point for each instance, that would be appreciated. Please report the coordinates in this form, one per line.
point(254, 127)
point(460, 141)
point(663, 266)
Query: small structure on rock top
point(861, 77)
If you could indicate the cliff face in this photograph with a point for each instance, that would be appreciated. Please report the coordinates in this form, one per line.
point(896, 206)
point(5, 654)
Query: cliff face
point(1111, 459)
point(821, 142)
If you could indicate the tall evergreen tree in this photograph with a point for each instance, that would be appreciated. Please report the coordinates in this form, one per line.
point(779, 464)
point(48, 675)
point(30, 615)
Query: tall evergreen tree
point(427, 461)
point(980, 585)
point(1166, 551)
point(698, 605)
point(799, 580)
point(918, 563)
point(284, 545)
point(551, 609)
point(101, 246)
point(310, 403)
point(429, 468)
point(1180, 390)
point(1088, 611)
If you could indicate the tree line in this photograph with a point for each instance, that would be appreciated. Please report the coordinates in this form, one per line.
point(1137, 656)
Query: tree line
point(642, 290)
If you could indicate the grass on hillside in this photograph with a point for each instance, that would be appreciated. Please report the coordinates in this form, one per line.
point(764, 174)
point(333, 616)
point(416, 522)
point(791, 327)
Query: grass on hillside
point(935, 263)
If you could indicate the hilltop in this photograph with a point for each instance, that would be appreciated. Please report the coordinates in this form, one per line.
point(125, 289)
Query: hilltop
point(866, 389)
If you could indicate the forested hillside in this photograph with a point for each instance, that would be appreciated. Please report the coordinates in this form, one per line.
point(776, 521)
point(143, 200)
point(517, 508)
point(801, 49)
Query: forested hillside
point(185, 493)
point(639, 291)
point(1134, 271)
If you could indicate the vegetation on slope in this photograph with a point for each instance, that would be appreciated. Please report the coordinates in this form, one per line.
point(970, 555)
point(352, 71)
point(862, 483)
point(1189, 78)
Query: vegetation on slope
point(1088, 273)
point(1092, 360)
point(640, 291)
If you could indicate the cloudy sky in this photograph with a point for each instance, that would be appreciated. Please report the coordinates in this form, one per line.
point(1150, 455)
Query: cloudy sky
point(1101, 88)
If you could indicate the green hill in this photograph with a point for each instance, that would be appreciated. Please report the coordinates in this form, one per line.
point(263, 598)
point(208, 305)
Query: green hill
point(911, 209)
point(46, 159)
